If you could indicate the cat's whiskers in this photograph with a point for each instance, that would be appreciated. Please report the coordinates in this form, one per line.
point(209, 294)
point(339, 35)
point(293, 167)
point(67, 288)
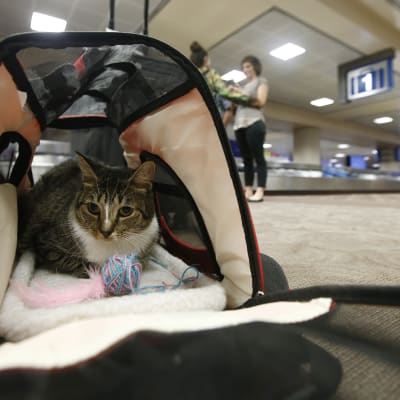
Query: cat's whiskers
point(141, 241)
point(134, 240)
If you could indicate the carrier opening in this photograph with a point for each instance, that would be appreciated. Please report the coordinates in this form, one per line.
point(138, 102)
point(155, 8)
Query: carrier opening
point(182, 227)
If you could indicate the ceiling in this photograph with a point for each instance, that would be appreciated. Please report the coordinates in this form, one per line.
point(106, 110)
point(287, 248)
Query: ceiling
point(332, 32)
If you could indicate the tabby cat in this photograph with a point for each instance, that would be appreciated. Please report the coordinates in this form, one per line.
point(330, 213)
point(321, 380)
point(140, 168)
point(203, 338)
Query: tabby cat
point(81, 212)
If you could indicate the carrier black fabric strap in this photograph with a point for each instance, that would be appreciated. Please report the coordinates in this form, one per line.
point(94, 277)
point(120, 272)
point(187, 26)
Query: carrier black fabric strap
point(355, 294)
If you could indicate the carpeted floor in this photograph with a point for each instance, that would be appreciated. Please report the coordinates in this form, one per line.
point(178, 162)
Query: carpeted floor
point(325, 239)
point(343, 239)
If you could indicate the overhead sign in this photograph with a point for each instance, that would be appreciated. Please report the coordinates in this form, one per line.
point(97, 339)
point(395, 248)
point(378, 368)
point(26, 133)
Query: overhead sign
point(366, 76)
point(370, 80)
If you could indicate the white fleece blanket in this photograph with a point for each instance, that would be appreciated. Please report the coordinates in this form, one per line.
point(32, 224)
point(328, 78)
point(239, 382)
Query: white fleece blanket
point(19, 320)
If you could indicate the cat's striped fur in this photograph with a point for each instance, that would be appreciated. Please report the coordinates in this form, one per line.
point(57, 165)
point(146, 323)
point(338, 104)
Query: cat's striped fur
point(81, 212)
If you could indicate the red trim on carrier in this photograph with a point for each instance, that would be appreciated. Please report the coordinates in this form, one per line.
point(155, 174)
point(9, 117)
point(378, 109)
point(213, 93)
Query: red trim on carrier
point(260, 264)
point(197, 256)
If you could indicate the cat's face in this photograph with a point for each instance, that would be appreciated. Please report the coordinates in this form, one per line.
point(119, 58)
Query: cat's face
point(114, 205)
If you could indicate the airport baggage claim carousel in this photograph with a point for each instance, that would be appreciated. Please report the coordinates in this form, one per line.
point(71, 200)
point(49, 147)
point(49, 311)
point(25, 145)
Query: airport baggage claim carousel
point(283, 178)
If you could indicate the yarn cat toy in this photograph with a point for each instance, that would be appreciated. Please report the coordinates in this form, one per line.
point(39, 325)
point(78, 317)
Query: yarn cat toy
point(119, 275)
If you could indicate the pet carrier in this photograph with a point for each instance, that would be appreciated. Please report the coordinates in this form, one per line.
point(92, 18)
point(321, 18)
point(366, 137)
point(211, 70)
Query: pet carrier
point(262, 340)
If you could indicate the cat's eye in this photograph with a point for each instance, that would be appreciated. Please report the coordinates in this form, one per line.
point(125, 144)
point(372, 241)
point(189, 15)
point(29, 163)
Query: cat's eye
point(93, 208)
point(125, 211)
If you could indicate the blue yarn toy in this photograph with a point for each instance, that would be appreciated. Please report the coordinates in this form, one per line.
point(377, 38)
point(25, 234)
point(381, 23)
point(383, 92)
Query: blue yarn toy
point(121, 274)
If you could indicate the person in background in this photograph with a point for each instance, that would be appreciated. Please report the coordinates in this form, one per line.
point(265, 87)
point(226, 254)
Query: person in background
point(223, 94)
point(250, 129)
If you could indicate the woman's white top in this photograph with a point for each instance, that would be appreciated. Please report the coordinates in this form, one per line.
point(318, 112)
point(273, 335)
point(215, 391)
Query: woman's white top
point(246, 116)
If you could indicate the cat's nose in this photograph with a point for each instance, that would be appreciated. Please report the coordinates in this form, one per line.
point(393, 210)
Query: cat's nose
point(106, 233)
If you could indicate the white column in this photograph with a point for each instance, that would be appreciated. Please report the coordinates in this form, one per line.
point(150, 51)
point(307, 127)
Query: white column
point(387, 160)
point(306, 146)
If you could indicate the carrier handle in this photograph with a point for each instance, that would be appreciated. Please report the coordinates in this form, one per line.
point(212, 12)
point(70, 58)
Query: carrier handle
point(22, 163)
point(111, 22)
point(355, 294)
point(146, 18)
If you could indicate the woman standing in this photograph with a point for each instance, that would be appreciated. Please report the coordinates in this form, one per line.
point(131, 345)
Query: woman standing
point(250, 128)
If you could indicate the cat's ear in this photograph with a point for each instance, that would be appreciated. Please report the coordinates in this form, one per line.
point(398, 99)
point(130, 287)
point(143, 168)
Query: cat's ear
point(144, 175)
point(88, 175)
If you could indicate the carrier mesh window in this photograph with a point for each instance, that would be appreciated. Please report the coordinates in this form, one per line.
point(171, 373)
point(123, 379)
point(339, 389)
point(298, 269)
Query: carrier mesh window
point(7, 161)
point(112, 82)
point(183, 231)
point(177, 211)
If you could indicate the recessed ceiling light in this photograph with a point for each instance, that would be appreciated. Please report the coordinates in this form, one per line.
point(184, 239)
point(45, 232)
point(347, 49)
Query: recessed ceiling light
point(46, 23)
point(343, 146)
point(287, 51)
point(322, 102)
point(374, 151)
point(340, 155)
point(267, 145)
point(234, 75)
point(383, 120)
